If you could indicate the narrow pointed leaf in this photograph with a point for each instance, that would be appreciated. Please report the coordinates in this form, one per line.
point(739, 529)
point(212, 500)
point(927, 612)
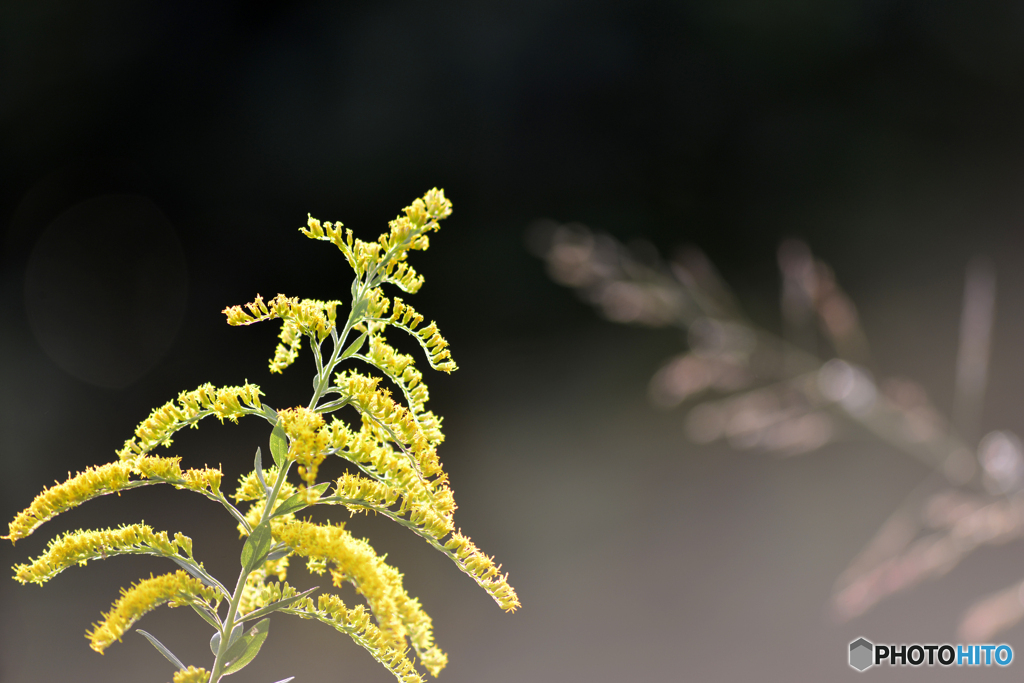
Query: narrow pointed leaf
point(359, 310)
point(298, 501)
point(162, 649)
point(279, 445)
point(195, 571)
point(248, 646)
point(205, 614)
point(256, 547)
point(274, 555)
point(270, 414)
point(258, 468)
point(354, 346)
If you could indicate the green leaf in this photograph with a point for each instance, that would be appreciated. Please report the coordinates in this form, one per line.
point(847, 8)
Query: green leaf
point(258, 468)
point(354, 346)
point(278, 553)
point(256, 547)
point(298, 501)
point(270, 414)
point(206, 614)
point(236, 633)
point(279, 445)
point(247, 647)
point(359, 309)
point(274, 606)
point(196, 571)
point(162, 649)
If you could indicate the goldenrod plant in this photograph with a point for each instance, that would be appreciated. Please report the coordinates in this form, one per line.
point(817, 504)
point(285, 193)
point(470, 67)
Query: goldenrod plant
point(394, 471)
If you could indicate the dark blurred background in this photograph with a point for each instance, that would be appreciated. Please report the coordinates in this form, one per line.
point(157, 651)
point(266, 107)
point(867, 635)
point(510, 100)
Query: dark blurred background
point(156, 160)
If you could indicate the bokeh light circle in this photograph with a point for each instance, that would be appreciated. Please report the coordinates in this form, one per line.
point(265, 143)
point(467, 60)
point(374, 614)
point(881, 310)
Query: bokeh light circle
point(106, 289)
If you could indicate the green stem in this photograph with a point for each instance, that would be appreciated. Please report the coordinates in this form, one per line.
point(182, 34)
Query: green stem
point(232, 616)
point(324, 372)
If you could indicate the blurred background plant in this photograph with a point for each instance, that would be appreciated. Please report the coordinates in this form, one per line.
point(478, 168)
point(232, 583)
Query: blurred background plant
point(792, 393)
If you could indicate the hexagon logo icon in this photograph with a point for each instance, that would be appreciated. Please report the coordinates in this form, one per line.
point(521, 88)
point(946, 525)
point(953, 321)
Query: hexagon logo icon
point(861, 654)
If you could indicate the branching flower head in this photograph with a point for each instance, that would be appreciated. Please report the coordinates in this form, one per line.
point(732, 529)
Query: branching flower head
point(387, 439)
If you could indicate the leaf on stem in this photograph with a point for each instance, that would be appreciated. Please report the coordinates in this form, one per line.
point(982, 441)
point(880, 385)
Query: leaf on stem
point(162, 649)
point(256, 547)
point(258, 468)
point(247, 647)
point(236, 633)
point(197, 571)
point(354, 347)
point(279, 445)
point(299, 500)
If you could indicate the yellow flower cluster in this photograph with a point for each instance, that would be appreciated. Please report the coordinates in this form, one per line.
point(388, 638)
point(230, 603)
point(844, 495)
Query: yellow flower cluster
point(406, 233)
point(176, 589)
point(331, 610)
point(429, 500)
point(93, 482)
point(306, 317)
point(354, 560)
point(400, 369)
point(78, 547)
point(258, 593)
point(192, 675)
point(392, 420)
point(307, 440)
point(251, 490)
point(404, 317)
point(354, 487)
point(191, 406)
point(109, 478)
point(483, 570)
point(168, 470)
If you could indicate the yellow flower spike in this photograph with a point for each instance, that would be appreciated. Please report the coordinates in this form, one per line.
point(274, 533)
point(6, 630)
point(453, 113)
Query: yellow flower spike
point(483, 570)
point(331, 610)
point(144, 596)
point(288, 350)
point(370, 491)
point(206, 478)
point(404, 317)
point(93, 482)
point(105, 479)
point(306, 317)
point(192, 406)
point(355, 561)
point(78, 547)
point(153, 467)
point(399, 369)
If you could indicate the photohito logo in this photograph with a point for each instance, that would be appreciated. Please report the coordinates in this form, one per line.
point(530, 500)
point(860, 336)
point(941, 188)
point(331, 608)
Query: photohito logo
point(865, 654)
